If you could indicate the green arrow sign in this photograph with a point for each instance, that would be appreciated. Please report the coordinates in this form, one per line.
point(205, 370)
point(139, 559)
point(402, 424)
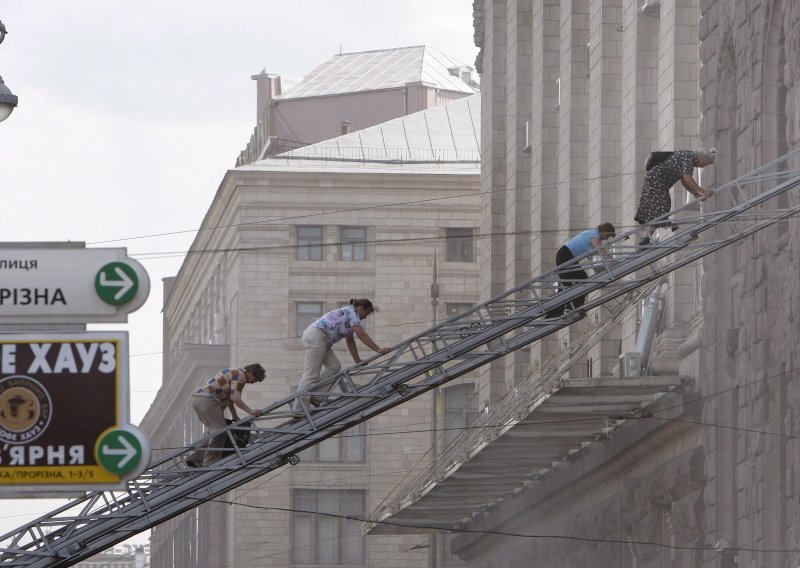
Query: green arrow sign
point(116, 283)
point(119, 451)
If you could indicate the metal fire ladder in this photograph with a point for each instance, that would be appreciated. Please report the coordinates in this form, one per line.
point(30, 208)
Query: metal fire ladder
point(507, 322)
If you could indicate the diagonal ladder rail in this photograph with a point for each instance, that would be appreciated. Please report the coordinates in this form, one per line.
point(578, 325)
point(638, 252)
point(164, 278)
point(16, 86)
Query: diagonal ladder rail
point(503, 324)
point(514, 407)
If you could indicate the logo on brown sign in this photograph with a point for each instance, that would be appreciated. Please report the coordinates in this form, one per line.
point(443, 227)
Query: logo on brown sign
point(25, 409)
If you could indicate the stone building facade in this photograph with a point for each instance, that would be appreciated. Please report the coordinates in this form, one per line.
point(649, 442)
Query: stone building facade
point(284, 241)
point(576, 94)
point(750, 82)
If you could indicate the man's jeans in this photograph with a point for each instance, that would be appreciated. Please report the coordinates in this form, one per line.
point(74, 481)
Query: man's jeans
point(318, 354)
point(210, 412)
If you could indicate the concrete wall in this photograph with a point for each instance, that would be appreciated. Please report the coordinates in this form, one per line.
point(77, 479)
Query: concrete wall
point(309, 120)
point(750, 80)
point(692, 73)
point(286, 124)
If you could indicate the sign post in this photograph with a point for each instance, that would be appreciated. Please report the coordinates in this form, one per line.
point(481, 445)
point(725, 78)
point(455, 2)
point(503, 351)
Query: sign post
point(64, 422)
point(70, 285)
point(64, 407)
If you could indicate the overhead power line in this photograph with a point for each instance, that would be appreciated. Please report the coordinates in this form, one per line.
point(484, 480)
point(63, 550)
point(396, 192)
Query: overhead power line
point(356, 209)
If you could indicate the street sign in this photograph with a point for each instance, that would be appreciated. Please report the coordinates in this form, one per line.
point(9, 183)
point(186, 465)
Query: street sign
point(64, 421)
point(116, 283)
point(69, 285)
point(120, 450)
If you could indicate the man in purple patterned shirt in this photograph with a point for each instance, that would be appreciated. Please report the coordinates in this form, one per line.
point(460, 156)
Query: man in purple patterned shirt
point(318, 340)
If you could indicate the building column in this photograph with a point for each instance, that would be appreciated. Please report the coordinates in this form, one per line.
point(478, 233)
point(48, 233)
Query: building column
point(491, 244)
point(605, 99)
point(573, 202)
point(518, 196)
point(639, 115)
point(678, 124)
point(678, 129)
point(720, 288)
point(543, 141)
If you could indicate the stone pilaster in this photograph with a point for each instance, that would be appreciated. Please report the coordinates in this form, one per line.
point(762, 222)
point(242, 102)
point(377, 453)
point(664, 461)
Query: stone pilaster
point(573, 201)
point(544, 146)
point(605, 100)
point(518, 196)
point(494, 140)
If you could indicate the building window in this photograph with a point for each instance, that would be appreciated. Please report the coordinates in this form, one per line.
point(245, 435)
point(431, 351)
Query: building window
point(309, 243)
point(457, 308)
point(325, 539)
point(353, 244)
point(460, 409)
point(346, 447)
point(448, 558)
point(460, 245)
point(305, 313)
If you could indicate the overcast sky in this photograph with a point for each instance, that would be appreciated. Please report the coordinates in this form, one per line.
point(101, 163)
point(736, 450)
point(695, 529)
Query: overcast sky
point(130, 112)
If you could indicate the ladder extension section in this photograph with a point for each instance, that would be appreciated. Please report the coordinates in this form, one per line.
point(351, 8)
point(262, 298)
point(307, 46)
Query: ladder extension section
point(512, 409)
point(507, 322)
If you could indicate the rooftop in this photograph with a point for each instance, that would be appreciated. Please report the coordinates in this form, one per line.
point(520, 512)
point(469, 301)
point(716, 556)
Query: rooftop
point(446, 133)
point(385, 69)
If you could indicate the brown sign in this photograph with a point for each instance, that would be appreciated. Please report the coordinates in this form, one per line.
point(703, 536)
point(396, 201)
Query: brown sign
point(59, 394)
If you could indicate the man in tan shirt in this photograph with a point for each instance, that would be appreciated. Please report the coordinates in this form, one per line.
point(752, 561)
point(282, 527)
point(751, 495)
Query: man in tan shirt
point(223, 390)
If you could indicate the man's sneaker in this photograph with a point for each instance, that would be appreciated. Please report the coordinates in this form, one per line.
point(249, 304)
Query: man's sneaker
point(644, 242)
point(191, 464)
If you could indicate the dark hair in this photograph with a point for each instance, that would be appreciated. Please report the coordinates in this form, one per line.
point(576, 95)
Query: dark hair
point(257, 371)
point(608, 229)
point(364, 303)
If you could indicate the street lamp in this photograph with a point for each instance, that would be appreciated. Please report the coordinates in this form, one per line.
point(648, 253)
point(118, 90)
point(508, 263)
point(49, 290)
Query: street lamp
point(8, 100)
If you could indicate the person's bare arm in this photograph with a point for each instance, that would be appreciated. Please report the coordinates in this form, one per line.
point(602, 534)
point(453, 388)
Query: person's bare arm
point(367, 340)
point(236, 398)
point(596, 243)
point(351, 346)
point(232, 409)
point(694, 188)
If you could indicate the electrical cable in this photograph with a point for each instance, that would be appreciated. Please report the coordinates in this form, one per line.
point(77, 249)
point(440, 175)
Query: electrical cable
point(574, 538)
point(498, 533)
point(366, 208)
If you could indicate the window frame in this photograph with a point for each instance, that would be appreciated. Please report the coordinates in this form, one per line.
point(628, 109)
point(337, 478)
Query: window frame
point(353, 244)
point(459, 247)
point(300, 328)
point(309, 245)
point(449, 559)
point(309, 500)
point(352, 438)
point(464, 412)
